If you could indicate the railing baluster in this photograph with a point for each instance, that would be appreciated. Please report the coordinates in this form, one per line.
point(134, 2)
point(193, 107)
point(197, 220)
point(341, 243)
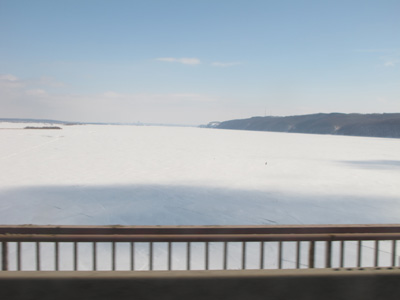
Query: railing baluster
point(243, 255)
point(94, 245)
point(4, 256)
point(56, 256)
point(225, 258)
point(280, 250)
point(262, 255)
point(113, 256)
point(394, 244)
point(298, 255)
point(328, 254)
point(132, 256)
point(311, 255)
point(188, 250)
point(359, 253)
point(206, 255)
point(376, 260)
point(75, 256)
point(169, 256)
point(19, 256)
point(37, 256)
point(341, 254)
point(151, 256)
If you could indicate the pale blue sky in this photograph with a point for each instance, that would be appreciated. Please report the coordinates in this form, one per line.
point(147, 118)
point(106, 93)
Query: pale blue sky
point(192, 62)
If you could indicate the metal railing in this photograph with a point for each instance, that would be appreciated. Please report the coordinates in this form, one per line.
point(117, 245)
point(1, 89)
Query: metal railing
point(205, 247)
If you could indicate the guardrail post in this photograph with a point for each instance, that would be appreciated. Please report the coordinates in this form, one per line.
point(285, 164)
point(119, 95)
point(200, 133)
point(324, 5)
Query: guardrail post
point(359, 253)
point(376, 259)
point(4, 256)
point(394, 242)
point(311, 255)
point(328, 255)
point(280, 245)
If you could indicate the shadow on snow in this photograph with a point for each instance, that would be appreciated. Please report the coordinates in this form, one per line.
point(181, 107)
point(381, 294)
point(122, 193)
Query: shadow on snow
point(186, 205)
point(375, 164)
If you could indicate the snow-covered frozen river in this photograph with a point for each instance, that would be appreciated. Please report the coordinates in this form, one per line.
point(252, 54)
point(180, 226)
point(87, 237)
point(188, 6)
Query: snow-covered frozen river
point(140, 175)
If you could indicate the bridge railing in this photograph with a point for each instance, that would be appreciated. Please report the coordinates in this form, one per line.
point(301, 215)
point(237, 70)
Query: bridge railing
point(204, 247)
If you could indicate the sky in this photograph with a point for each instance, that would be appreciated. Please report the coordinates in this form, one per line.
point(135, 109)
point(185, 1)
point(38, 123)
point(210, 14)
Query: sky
point(193, 62)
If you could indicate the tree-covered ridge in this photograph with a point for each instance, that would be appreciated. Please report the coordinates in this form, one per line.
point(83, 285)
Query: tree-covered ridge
point(373, 125)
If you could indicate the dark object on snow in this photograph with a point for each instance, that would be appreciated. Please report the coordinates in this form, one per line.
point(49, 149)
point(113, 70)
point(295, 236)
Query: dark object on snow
point(43, 127)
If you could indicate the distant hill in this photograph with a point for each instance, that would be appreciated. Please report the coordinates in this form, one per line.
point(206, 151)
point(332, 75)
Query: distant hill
point(372, 125)
point(47, 121)
point(16, 120)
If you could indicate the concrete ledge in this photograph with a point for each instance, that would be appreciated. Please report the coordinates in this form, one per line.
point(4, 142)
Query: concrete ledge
point(335, 284)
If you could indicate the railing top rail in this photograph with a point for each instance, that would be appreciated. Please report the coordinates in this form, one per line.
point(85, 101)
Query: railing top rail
point(197, 237)
point(196, 230)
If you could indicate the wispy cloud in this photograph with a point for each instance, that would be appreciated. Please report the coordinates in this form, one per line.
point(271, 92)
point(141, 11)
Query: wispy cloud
point(47, 81)
point(36, 92)
point(156, 98)
point(8, 77)
point(8, 81)
point(374, 50)
point(388, 57)
point(390, 61)
point(183, 60)
point(225, 64)
point(12, 80)
point(196, 61)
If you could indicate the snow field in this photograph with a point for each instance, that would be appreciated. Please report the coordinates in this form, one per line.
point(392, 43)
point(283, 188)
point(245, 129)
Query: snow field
point(96, 174)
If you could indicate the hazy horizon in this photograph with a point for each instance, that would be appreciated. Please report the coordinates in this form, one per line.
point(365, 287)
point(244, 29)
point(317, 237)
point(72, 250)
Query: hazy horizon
point(16, 120)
